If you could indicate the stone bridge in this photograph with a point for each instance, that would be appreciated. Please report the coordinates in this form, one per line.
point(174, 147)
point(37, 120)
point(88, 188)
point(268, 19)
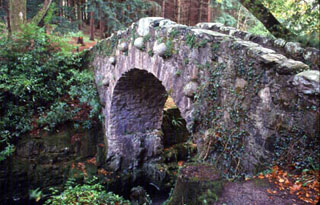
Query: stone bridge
point(220, 78)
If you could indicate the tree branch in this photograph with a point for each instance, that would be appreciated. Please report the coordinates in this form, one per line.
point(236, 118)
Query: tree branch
point(42, 13)
point(267, 19)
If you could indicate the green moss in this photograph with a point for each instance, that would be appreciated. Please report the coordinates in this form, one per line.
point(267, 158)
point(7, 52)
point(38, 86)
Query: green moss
point(150, 52)
point(174, 33)
point(110, 46)
point(191, 40)
point(170, 49)
point(147, 38)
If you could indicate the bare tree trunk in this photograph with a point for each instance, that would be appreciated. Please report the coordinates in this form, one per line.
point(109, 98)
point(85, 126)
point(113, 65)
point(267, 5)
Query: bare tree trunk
point(101, 23)
point(209, 10)
point(73, 10)
point(200, 11)
point(61, 9)
point(68, 6)
point(8, 21)
point(17, 14)
point(179, 11)
point(189, 12)
point(92, 26)
point(79, 15)
point(163, 8)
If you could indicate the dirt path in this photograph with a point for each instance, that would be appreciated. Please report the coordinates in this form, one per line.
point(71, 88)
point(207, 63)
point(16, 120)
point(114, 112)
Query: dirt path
point(256, 192)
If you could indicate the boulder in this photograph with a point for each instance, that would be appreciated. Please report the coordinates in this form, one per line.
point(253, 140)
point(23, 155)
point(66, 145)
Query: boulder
point(190, 89)
point(308, 82)
point(139, 43)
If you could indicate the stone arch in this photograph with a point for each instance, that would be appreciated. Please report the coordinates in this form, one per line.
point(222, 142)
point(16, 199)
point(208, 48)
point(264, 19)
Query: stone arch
point(135, 100)
point(137, 103)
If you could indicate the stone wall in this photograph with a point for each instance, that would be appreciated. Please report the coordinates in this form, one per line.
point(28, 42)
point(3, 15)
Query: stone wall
point(224, 86)
point(44, 160)
point(292, 50)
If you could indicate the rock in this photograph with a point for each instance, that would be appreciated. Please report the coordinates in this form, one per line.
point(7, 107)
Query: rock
point(271, 58)
point(145, 23)
point(308, 82)
point(112, 60)
point(265, 95)
point(312, 56)
point(139, 43)
point(279, 43)
point(290, 66)
point(240, 83)
point(259, 50)
point(293, 48)
point(115, 162)
point(160, 49)
point(211, 33)
point(166, 23)
point(190, 89)
point(105, 82)
point(139, 196)
point(123, 47)
point(195, 183)
point(247, 37)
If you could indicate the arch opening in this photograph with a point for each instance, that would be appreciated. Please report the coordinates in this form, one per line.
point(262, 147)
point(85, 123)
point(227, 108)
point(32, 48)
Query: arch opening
point(174, 127)
point(147, 130)
point(137, 103)
point(141, 125)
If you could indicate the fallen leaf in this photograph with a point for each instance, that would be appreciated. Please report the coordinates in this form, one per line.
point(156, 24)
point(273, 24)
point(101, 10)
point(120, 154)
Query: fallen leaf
point(294, 188)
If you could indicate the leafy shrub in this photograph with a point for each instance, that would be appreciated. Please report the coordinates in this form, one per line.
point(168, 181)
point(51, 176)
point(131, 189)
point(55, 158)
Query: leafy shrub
point(90, 192)
point(41, 86)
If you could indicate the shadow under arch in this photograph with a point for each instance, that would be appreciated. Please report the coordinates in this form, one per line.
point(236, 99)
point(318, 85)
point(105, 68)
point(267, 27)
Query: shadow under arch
point(137, 103)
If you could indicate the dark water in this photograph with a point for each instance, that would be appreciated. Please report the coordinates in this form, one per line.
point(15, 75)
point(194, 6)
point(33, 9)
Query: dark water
point(22, 202)
point(158, 200)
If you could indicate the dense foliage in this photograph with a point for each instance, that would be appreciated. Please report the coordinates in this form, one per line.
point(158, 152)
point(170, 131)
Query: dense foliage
point(299, 16)
point(89, 193)
point(41, 86)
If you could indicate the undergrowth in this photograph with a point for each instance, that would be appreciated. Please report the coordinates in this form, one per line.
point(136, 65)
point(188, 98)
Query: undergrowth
point(42, 84)
point(90, 192)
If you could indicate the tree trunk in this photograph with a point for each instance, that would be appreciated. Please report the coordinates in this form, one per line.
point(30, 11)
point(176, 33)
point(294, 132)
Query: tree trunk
point(179, 12)
point(268, 20)
point(8, 21)
point(209, 10)
point(73, 11)
point(200, 11)
point(17, 14)
point(61, 9)
point(163, 8)
point(79, 11)
point(189, 13)
point(92, 26)
point(101, 23)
